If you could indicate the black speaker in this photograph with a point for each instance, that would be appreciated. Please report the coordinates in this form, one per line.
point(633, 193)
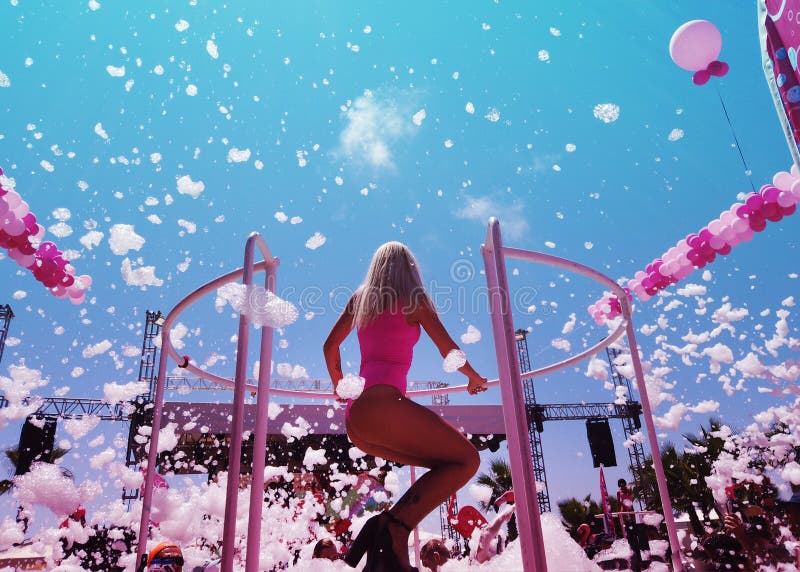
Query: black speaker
point(36, 441)
point(601, 443)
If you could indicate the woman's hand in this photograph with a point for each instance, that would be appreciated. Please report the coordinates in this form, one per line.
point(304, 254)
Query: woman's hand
point(476, 385)
point(338, 397)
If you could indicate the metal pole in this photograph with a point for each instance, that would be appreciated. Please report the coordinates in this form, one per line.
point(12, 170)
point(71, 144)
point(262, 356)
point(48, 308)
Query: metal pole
point(237, 422)
point(260, 440)
point(152, 453)
point(524, 481)
point(416, 528)
point(658, 466)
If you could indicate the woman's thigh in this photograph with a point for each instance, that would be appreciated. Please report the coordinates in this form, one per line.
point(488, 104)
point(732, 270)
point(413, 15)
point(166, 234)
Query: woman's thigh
point(384, 423)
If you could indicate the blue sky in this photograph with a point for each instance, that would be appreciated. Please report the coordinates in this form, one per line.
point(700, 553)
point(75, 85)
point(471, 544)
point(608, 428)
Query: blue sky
point(326, 103)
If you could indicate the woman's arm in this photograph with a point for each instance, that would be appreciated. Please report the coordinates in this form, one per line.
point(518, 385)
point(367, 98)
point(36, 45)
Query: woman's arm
point(427, 317)
point(340, 331)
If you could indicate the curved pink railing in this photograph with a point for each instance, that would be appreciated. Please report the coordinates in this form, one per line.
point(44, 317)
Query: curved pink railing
point(269, 266)
point(510, 381)
point(527, 506)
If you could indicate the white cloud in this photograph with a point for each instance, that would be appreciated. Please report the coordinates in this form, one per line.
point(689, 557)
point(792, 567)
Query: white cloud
point(186, 186)
point(141, 276)
point(373, 127)
point(512, 219)
point(123, 238)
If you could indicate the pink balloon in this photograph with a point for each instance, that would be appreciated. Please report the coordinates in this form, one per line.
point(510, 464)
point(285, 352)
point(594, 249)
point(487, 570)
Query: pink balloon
point(715, 227)
point(786, 199)
point(783, 180)
point(77, 301)
point(13, 199)
point(695, 45)
point(47, 250)
point(22, 209)
point(754, 201)
point(727, 217)
point(727, 233)
point(13, 225)
point(740, 225)
point(795, 190)
point(74, 292)
point(770, 194)
point(746, 235)
point(26, 260)
point(716, 242)
point(4, 208)
point(775, 214)
point(735, 207)
point(684, 272)
point(39, 233)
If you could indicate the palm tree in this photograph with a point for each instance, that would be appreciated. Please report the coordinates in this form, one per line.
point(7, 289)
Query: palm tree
point(498, 479)
point(575, 512)
point(12, 455)
point(706, 449)
point(684, 484)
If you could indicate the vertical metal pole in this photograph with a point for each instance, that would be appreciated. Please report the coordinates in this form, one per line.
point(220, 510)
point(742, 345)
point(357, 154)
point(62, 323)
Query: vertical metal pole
point(237, 422)
point(519, 453)
point(260, 438)
point(152, 453)
point(416, 528)
point(658, 466)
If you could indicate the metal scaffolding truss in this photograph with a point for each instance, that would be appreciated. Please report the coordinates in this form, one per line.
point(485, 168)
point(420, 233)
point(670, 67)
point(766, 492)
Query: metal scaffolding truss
point(75, 408)
point(628, 411)
point(5, 318)
point(577, 411)
point(147, 374)
point(534, 423)
point(631, 424)
point(448, 532)
point(147, 365)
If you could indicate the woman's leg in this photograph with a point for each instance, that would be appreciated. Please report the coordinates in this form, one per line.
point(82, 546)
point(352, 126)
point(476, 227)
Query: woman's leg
point(386, 424)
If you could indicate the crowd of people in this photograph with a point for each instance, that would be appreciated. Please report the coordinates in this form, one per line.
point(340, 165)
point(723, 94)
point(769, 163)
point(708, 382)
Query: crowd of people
point(757, 530)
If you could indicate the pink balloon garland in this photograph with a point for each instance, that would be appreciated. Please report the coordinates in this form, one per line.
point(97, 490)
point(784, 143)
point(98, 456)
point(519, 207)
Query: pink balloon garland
point(736, 225)
point(19, 235)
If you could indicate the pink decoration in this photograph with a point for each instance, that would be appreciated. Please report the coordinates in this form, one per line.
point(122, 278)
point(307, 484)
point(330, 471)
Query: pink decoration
point(783, 180)
point(695, 45)
point(47, 264)
point(786, 199)
point(736, 225)
point(715, 68)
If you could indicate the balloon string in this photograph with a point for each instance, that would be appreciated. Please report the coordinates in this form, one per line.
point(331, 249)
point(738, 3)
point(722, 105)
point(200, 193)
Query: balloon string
point(736, 139)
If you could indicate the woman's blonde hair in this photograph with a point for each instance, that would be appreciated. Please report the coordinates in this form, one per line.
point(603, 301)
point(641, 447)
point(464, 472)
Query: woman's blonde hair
point(393, 282)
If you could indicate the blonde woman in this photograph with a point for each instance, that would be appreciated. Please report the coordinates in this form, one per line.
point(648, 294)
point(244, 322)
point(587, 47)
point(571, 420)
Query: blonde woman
point(388, 311)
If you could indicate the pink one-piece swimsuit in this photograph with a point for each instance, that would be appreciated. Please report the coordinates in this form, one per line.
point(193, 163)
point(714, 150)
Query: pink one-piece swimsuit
point(387, 347)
